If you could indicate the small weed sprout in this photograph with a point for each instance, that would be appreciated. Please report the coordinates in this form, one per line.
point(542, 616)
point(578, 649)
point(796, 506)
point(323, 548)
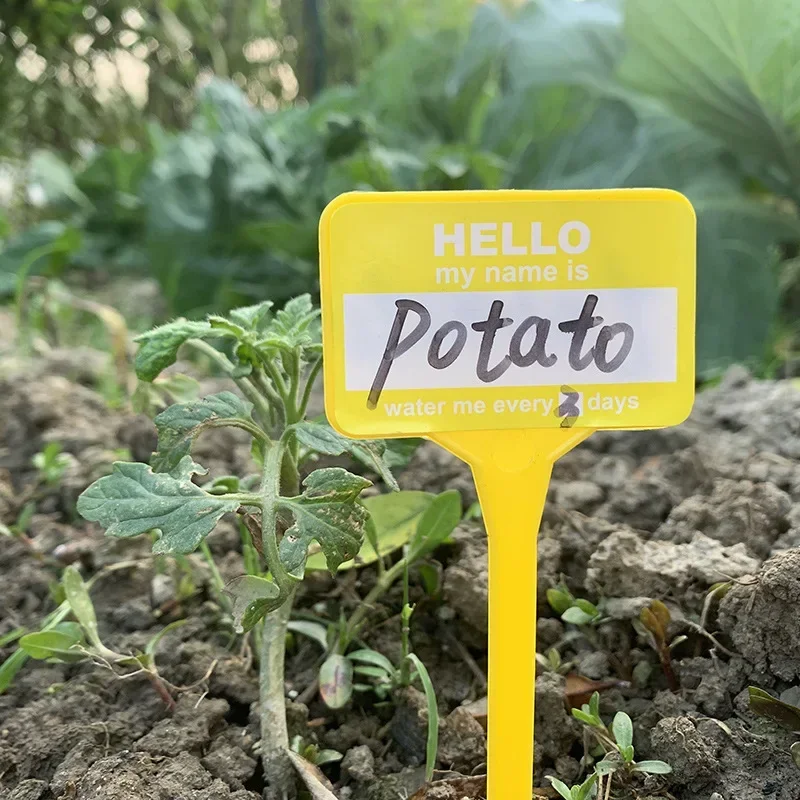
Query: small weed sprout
point(617, 744)
point(654, 623)
point(51, 464)
point(586, 790)
point(80, 641)
point(572, 610)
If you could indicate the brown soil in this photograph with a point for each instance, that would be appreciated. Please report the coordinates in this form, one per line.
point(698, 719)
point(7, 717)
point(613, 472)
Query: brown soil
point(630, 517)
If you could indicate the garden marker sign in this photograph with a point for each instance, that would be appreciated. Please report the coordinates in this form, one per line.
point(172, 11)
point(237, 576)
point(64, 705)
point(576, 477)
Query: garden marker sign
point(507, 326)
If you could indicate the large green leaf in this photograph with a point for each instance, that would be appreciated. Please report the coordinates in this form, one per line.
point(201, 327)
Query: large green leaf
point(393, 519)
point(546, 43)
point(134, 500)
point(638, 143)
point(732, 68)
point(158, 348)
point(328, 513)
point(180, 424)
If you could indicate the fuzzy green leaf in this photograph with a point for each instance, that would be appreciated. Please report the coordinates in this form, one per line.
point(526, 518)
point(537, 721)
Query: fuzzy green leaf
point(606, 767)
point(336, 681)
point(328, 513)
point(252, 318)
point(58, 644)
point(322, 438)
point(180, 424)
point(653, 767)
point(158, 348)
point(622, 728)
point(253, 598)
point(296, 325)
point(77, 595)
point(134, 500)
point(560, 787)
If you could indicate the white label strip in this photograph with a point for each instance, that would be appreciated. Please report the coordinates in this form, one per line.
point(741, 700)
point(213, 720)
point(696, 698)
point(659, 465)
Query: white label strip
point(553, 337)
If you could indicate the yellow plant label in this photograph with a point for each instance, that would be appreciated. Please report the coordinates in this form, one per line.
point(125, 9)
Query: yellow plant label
point(470, 311)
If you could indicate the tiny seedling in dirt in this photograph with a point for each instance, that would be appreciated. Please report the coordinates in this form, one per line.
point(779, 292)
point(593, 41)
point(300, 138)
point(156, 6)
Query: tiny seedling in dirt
point(654, 623)
point(617, 744)
point(80, 641)
point(52, 463)
point(274, 359)
point(551, 662)
point(586, 790)
point(573, 610)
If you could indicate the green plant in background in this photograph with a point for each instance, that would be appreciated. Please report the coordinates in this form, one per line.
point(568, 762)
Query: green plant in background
point(274, 358)
point(615, 745)
point(52, 463)
point(235, 198)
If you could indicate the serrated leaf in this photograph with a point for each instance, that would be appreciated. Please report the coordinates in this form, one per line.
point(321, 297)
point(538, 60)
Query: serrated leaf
point(393, 520)
point(134, 500)
point(296, 325)
point(158, 348)
point(322, 438)
point(180, 424)
point(336, 681)
point(253, 598)
point(765, 705)
point(325, 512)
point(437, 523)
point(225, 327)
point(653, 767)
point(252, 317)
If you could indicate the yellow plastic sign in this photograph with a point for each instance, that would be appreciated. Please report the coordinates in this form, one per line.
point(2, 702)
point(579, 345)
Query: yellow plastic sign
point(507, 326)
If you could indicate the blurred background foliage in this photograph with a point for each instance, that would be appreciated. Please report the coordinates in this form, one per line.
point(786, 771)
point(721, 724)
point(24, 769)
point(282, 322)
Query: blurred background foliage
point(197, 141)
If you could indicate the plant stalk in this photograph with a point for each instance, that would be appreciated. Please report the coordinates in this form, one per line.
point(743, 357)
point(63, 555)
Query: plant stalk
point(278, 769)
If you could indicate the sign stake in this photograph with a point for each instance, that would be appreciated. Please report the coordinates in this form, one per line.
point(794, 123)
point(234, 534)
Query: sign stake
point(512, 474)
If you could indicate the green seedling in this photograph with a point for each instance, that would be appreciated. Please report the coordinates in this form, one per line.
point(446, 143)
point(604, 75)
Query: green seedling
point(654, 623)
point(551, 662)
point(70, 642)
point(587, 790)
point(52, 463)
point(274, 359)
point(617, 745)
point(312, 753)
point(572, 610)
point(366, 670)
